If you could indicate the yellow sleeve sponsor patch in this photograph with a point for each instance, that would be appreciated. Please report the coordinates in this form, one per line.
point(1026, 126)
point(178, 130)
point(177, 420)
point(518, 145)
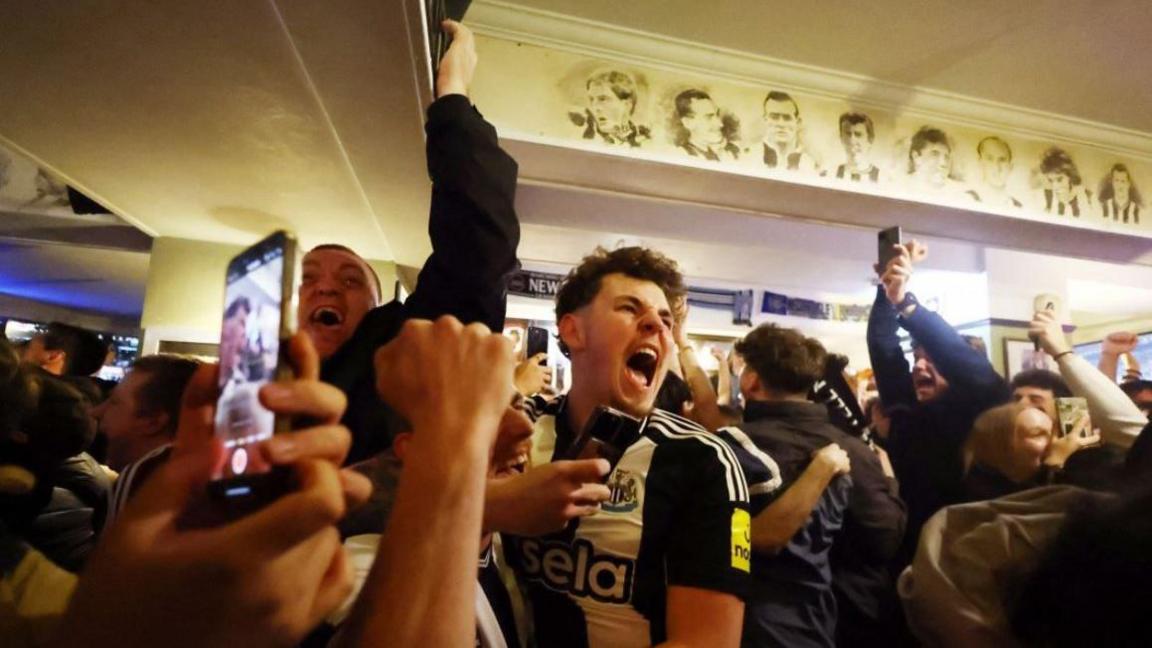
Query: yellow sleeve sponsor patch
point(741, 540)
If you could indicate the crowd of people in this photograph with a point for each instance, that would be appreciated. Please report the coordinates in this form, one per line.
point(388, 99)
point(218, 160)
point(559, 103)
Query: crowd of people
point(436, 498)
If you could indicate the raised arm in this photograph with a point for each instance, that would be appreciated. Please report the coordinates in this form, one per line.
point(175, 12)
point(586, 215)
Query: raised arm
point(472, 223)
point(893, 375)
point(1119, 419)
point(967, 370)
point(450, 382)
point(1112, 347)
point(723, 377)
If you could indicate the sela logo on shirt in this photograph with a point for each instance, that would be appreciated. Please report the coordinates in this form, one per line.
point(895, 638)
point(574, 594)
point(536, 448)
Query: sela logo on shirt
point(578, 570)
point(741, 540)
point(625, 488)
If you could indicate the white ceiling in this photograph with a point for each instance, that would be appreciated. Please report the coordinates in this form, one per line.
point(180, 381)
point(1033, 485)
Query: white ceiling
point(1080, 58)
point(223, 121)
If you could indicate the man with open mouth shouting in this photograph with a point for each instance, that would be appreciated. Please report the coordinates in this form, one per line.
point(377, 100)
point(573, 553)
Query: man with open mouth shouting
point(474, 233)
point(667, 556)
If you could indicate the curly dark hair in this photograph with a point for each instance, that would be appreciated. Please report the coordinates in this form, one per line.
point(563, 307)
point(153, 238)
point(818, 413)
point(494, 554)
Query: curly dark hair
point(784, 359)
point(1057, 160)
point(582, 284)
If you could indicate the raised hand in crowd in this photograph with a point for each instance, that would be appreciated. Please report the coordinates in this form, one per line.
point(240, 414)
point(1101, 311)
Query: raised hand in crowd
point(532, 376)
point(898, 272)
point(1061, 448)
point(1112, 347)
point(265, 579)
point(1119, 343)
point(450, 382)
point(1047, 330)
point(459, 62)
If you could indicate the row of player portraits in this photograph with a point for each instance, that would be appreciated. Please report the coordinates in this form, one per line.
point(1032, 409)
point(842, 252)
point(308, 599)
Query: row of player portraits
point(701, 128)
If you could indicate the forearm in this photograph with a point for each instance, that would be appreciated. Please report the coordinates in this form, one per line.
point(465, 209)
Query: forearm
point(964, 367)
point(774, 527)
point(421, 590)
point(1118, 418)
point(704, 407)
point(472, 223)
point(893, 376)
point(724, 385)
point(1108, 365)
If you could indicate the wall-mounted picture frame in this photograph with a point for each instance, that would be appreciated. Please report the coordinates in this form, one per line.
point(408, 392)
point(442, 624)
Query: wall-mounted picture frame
point(1021, 355)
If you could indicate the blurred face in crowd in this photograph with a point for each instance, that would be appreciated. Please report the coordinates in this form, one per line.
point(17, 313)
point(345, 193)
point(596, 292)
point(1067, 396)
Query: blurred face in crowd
point(782, 120)
point(1121, 183)
point(1061, 185)
point(620, 343)
point(131, 434)
point(933, 162)
point(925, 379)
point(52, 361)
point(995, 163)
point(703, 123)
point(610, 112)
point(1042, 399)
point(1030, 439)
point(232, 339)
point(336, 292)
point(854, 137)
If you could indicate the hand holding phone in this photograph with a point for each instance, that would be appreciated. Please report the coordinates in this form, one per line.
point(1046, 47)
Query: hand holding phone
point(537, 344)
point(1047, 333)
point(258, 320)
point(1074, 432)
point(888, 243)
point(1043, 303)
point(1073, 417)
point(606, 435)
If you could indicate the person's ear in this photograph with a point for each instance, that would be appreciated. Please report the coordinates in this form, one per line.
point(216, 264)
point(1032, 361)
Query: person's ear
point(400, 445)
point(750, 384)
point(571, 329)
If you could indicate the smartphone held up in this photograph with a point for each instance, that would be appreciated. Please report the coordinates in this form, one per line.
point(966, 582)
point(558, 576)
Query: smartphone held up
point(886, 243)
point(257, 323)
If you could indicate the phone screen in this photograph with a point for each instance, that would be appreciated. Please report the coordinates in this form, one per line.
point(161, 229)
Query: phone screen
point(1070, 411)
point(249, 354)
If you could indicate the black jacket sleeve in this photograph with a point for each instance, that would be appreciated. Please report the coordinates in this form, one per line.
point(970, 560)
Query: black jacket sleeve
point(472, 223)
point(893, 375)
point(876, 515)
point(967, 370)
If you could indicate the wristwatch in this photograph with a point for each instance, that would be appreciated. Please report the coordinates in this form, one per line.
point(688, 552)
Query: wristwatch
point(908, 304)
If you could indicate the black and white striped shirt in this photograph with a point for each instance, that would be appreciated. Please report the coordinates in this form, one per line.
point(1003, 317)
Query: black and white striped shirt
point(132, 477)
point(678, 515)
point(1128, 213)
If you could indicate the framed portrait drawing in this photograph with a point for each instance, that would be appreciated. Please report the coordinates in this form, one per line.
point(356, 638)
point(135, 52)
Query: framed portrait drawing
point(1021, 355)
